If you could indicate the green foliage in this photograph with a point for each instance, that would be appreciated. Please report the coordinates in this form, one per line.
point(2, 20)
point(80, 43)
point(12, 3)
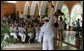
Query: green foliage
point(5, 29)
point(11, 40)
point(8, 40)
point(3, 43)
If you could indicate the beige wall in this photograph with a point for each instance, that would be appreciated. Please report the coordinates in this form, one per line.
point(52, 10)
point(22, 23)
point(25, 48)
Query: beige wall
point(7, 9)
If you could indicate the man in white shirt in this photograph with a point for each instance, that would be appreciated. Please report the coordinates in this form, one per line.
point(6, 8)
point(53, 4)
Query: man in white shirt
point(47, 32)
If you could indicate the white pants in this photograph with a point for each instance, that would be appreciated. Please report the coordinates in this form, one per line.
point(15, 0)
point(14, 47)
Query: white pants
point(29, 34)
point(6, 36)
point(23, 36)
point(48, 44)
point(37, 37)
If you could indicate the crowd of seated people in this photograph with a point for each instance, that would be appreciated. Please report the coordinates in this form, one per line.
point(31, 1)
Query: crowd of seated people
point(28, 30)
point(22, 30)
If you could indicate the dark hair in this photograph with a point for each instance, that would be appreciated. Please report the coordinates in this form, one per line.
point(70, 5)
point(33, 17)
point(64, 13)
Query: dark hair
point(61, 18)
point(46, 20)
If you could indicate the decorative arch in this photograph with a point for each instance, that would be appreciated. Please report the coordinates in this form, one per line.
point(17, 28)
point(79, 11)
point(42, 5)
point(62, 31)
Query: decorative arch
point(36, 12)
point(75, 5)
point(59, 5)
point(76, 12)
point(33, 6)
point(26, 9)
point(43, 7)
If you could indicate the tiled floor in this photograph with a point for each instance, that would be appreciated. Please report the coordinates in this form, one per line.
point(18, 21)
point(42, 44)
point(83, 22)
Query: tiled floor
point(68, 35)
point(34, 46)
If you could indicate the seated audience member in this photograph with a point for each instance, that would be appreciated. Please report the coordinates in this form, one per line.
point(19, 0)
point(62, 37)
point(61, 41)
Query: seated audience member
point(21, 33)
point(37, 30)
point(30, 32)
point(11, 33)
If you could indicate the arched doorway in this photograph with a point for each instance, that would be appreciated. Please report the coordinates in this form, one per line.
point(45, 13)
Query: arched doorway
point(76, 13)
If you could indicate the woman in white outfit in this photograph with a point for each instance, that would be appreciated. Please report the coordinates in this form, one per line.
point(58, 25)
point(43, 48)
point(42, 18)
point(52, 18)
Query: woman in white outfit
point(21, 33)
point(47, 31)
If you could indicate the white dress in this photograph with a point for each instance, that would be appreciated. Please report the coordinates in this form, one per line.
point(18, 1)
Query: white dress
point(48, 34)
